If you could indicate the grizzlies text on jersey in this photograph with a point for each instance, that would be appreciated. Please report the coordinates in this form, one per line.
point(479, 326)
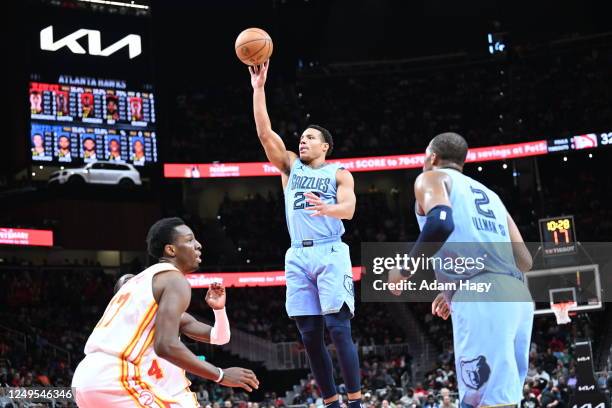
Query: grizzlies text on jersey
point(322, 182)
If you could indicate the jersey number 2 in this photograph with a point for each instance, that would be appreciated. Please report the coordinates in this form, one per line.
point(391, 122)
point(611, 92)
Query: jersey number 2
point(155, 371)
point(481, 201)
point(300, 201)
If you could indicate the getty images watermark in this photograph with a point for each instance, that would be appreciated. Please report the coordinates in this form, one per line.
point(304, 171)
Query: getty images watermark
point(463, 271)
point(452, 266)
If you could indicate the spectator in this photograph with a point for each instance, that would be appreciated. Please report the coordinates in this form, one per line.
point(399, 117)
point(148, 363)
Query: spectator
point(431, 402)
point(409, 400)
point(529, 400)
point(550, 397)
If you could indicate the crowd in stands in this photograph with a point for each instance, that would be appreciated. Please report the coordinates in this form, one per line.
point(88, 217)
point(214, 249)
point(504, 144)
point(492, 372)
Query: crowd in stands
point(250, 309)
point(551, 376)
point(60, 310)
point(558, 92)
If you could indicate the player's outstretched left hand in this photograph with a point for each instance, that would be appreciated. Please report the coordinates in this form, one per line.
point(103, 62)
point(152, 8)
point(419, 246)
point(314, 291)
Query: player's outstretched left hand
point(316, 204)
point(215, 296)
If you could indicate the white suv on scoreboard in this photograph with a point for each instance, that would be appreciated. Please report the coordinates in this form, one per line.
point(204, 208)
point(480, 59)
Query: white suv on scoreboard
point(99, 172)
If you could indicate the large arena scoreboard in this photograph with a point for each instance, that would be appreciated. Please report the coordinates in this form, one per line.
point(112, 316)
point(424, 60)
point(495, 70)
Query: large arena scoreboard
point(76, 120)
point(90, 93)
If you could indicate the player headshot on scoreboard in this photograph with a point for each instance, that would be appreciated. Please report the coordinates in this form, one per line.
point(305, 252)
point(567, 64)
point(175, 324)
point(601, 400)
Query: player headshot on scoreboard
point(61, 103)
point(136, 108)
point(63, 149)
point(35, 102)
point(89, 149)
point(138, 151)
point(114, 148)
point(38, 146)
point(112, 107)
point(87, 105)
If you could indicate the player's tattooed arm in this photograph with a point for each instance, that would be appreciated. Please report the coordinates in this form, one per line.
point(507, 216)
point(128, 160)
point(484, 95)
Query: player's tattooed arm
point(522, 256)
point(272, 143)
point(344, 209)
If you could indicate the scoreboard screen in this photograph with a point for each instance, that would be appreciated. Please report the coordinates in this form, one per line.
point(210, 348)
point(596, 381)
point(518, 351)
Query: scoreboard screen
point(558, 235)
point(90, 94)
point(80, 119)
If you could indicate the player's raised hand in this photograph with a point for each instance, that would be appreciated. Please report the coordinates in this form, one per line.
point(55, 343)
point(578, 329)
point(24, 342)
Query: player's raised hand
point(215, 296)
point(316, 204)
point(259, 73)
point(439, 307)
point(240, 377)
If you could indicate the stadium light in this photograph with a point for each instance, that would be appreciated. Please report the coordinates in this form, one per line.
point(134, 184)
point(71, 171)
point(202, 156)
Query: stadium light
point(496, 42)
point(116, 3)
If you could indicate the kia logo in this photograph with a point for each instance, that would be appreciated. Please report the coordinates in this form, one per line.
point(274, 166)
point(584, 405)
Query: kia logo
point(94, 43)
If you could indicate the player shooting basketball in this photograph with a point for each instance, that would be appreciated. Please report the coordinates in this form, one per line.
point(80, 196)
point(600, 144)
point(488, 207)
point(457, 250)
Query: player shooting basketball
point(491, 338)
point(318, 196)
point(142, 321)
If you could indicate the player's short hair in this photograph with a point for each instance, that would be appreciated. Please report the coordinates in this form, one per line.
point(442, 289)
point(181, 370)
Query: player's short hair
point(450, 147)
point(327, 136)
point(160, 234)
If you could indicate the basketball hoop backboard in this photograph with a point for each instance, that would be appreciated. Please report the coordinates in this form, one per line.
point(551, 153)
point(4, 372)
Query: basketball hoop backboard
point(580, 284)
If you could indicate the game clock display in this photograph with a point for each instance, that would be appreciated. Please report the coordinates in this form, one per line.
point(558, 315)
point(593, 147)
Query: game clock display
point(558, 235)
point(81, 120)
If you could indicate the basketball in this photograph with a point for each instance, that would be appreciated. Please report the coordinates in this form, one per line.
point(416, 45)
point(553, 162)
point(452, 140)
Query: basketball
point(253, 46)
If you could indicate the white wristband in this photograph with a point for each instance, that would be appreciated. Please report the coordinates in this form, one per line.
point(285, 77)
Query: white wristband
point(221, 374)
point(220, 332)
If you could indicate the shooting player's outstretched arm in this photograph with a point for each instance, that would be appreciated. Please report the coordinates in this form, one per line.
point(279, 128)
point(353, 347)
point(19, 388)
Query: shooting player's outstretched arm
point(272, 143)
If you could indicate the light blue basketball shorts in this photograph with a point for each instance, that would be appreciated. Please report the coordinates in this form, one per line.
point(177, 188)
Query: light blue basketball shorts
point(491, 342)
point(319, 278)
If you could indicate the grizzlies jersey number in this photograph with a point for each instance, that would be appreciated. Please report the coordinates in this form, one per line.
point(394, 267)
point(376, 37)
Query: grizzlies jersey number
point(322, 182)
point(480, 217)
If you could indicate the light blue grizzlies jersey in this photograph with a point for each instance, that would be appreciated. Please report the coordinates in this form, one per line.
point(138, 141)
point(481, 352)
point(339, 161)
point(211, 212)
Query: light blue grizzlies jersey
point(481, 219)
point(321, 181)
